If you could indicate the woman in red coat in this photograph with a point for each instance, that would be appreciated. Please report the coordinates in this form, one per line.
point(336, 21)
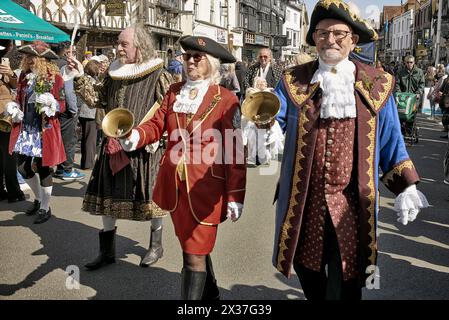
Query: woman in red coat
point(202, 176)
point(36, 133)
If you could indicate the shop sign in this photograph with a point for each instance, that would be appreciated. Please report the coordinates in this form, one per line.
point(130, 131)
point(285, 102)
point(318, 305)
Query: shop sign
point(115, 8)
point(238, 39)
point(260, 40)
point(205, 31)
point(222, 36)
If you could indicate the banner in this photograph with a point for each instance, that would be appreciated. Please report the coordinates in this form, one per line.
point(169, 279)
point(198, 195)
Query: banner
point(365, 53)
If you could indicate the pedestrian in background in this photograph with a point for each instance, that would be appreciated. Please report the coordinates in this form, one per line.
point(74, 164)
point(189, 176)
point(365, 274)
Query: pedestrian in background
point(8, 163)
point(87, 114)
point(265, 68)
point(443, 93)
point(175, 67)
point(68, 119)
point(229, 79)
point(430, 81)
point(240, 72)
point(410, 79)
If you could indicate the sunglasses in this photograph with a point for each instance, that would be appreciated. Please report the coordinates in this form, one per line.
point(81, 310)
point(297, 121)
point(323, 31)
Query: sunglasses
point(197, 57)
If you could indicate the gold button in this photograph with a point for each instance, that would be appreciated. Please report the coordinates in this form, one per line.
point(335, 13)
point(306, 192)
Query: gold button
point(327, 175)
point(330, 141)
point(326, 186)
point(323, 208)
point(331, 130)
point(328, 153)
point(321, 238)
point(321, 228)
point(327, 164)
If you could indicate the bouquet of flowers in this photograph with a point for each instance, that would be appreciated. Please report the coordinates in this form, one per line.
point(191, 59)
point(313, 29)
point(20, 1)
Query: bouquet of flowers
point(45, 101)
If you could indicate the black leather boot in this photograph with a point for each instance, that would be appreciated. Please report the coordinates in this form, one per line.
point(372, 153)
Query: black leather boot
point(43, 216)
point(155, 250)
point(34, 208)
point(211, 291)
point(192, 284)
point(107, 250)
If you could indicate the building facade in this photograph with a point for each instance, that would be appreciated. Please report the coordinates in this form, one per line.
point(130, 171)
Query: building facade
point(422, 35)
point(402, 26)
point(293, 28)
point(99, 26)
point(261, 23)
point(215, 19)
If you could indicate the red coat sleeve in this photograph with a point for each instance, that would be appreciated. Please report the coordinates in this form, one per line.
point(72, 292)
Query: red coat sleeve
point(58, 92)
point(152, 130)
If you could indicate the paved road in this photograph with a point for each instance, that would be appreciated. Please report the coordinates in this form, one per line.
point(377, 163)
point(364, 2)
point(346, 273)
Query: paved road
point(413, 261)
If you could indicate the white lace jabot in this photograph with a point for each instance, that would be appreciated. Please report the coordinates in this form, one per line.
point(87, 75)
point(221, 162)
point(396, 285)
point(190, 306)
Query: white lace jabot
point(337, 83)
point(184, 103)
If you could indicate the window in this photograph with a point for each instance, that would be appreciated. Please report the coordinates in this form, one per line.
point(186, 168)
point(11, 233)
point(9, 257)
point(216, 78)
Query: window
point(196, 9)
point(212, 11)
point(295, 18)
point(224, 13)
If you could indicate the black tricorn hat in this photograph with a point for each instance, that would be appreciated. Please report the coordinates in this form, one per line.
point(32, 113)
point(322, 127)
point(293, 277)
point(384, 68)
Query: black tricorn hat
point(207, 45)
point(339, 10)
point(39, 49)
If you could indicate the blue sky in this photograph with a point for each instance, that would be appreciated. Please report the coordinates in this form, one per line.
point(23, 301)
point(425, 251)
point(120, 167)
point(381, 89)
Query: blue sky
point(369, 8)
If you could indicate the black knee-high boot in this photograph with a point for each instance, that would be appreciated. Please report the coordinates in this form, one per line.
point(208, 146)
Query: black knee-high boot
point(192, 284)
point(107, 250)
point(211, 291)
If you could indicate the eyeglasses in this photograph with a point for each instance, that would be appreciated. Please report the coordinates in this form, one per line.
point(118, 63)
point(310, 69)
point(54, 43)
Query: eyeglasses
point(197, 57)
point(338, 34)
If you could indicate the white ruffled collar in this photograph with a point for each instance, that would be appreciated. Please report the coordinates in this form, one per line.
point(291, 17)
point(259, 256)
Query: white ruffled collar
point(120, 71)
point(344, 66)
point(183, 103)
point(337, 82)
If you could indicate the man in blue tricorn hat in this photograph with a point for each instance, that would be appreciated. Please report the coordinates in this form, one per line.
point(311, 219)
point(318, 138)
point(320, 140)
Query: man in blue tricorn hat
point(341, 125)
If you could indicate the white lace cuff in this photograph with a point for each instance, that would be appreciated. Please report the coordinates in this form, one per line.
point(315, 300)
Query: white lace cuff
point(130, 144)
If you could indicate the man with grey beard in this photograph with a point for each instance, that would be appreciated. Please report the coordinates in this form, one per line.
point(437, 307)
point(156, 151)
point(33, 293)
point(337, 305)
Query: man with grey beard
point(122, 182)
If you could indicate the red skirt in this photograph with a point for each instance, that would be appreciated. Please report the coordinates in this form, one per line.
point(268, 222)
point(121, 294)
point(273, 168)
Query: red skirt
point(194, 238)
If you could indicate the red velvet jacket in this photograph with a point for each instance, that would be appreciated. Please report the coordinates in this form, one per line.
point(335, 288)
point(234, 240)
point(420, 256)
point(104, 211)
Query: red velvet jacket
point(210, 184)
point(52, 148)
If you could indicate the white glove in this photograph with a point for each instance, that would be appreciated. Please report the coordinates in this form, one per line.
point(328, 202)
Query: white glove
point(12, 108)
point(234, 211)
point(408, 203)
point(130, 144)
